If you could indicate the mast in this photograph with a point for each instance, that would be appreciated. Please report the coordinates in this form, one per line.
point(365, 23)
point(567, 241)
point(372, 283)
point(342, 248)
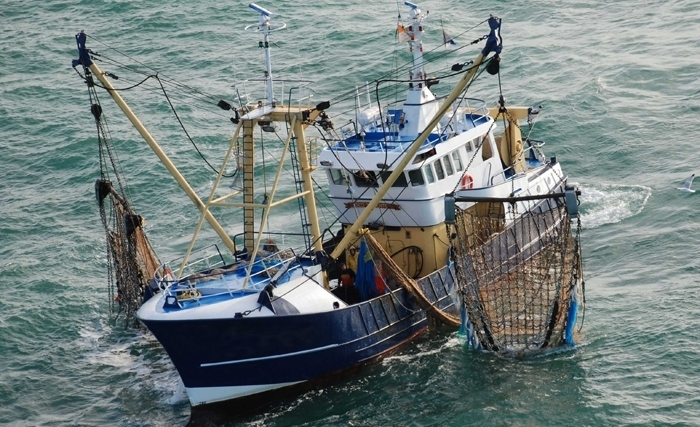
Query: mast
point(265, 28)
point(493, 44)
point(420, 103)
point(416, 43)
point(297, 116)
point(248, 184)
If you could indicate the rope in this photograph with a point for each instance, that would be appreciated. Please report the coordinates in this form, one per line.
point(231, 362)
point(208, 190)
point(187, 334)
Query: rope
point(182, 126)
point(410, 285)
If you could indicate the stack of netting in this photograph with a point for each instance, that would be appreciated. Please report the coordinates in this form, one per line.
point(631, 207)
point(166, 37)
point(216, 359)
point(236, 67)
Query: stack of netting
point(518, 280)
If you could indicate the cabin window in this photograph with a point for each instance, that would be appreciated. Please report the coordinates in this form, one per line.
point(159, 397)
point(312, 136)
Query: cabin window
point(468, 147)
point(416, 178)
point(448, 165)
point(486, 151)
point(422, 156)
point(400, 181)
point(365, 179)
point(438, 170)
point(458, 160)
point(429, 174)
point(337, 177)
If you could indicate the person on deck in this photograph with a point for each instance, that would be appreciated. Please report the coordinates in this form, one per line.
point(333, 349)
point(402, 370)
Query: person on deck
point(346, 285)
point(351, 258)
point(347, 275)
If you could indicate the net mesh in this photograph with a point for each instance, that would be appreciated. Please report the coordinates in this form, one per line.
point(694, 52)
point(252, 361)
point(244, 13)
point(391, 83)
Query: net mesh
point(131, 261)
point(517, 280)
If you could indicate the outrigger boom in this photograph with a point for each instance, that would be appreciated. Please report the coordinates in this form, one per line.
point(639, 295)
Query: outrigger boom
point(297, 116)
point(86, 61)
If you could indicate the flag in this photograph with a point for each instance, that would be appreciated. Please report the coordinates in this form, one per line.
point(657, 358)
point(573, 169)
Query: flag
point(447, 39)
point(493, 42)
point(364, 278)
point(403, 34)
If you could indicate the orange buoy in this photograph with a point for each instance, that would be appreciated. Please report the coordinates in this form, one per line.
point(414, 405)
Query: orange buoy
point(467, 182)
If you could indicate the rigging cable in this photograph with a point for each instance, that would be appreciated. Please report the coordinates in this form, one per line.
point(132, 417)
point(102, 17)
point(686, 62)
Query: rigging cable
point(188, 135)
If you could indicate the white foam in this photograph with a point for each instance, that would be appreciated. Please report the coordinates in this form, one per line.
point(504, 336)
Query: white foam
point(179, 395)
point(135, 352)
point(601, 85)
point(405, 358)
point(611, 203)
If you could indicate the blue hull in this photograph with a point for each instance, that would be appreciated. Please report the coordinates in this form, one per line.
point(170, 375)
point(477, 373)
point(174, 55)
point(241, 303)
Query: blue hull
point(255, 351)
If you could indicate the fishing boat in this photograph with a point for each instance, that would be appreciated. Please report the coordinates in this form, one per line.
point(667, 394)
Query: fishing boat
point(251, 318)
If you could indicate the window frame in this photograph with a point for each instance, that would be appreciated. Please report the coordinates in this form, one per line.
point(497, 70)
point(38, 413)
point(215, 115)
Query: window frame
point(458, 161)
point(439, 170)
point(429, 174)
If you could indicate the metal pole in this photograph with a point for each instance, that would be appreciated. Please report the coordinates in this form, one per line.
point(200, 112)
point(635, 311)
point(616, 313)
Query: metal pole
point(514, 199)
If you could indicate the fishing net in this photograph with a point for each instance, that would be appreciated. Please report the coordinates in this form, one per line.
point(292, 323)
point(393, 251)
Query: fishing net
point(518, 280)
point(131, 261)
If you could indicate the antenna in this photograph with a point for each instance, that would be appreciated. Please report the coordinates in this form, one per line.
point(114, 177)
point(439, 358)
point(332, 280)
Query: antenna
point(265, 27)
point(261, 10)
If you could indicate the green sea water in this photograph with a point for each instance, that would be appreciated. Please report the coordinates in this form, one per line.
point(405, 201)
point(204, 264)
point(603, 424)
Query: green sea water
point(619, 83)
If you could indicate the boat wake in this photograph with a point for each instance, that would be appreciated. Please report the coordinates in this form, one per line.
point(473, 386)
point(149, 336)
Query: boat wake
point(132, 352)
point(179, 395)
point(611, 203)
point(420, 352)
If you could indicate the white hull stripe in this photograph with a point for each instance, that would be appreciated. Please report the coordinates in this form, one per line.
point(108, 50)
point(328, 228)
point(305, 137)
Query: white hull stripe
point(276, 356)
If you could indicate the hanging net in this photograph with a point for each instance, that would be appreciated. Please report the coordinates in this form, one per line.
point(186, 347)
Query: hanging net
point(518, 281)
point(131, 261)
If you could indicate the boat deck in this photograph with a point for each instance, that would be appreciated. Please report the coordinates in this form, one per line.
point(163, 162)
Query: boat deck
point(393, 141)
point(228, 282)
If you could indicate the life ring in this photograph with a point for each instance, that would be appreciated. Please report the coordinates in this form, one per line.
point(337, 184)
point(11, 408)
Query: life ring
point(467, 182)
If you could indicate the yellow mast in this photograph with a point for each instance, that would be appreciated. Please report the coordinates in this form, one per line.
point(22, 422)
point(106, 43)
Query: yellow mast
point(248, 184)
point(162, 156)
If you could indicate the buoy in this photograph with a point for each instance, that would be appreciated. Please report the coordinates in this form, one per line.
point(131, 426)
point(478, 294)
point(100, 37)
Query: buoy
point(467, 182)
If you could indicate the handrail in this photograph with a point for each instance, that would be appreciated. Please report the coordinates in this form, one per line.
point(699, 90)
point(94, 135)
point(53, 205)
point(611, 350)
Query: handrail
point(515, 199)
point(282, 260)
